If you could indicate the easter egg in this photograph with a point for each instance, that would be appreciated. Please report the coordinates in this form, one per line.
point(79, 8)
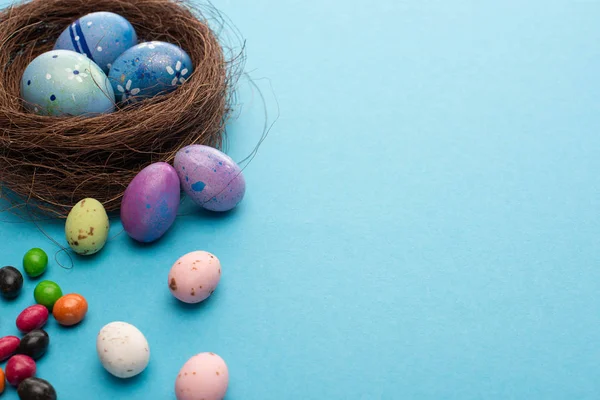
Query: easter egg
point(70, 309)
point(35, 262)
point(195, 276)
point(11, 282)
point(87, 227)
point(150, 202)
point(18, 368)
point(210, 177)
point(123, 350)
point(47, 293)
point(149, 69)
point(65, 83)
point(36, 389)
point(31, 318)
point(34, 344)
point(204, 376)
point(101, 36)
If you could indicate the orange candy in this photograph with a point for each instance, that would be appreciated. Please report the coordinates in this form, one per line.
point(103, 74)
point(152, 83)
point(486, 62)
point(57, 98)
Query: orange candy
point(70, 309)
point(2, 381)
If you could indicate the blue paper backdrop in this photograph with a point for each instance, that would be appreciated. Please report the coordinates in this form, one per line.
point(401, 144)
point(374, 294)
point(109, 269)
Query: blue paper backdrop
point(422, 222)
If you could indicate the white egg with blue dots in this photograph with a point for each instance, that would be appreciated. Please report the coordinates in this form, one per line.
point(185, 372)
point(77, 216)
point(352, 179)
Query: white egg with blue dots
point(66, 83)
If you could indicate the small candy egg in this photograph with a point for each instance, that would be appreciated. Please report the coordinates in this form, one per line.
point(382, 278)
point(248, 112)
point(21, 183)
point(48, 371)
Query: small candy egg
point(149, 69)
point(47, 293)
point(65, 83)
point(34, 344)
point(19, 368)
point(31, 318)
point(70, 309)
point(123, 350)
point(204, 376)
point(36, 389)
point(150, 202)
point(11, 282)
point(35, 262)
point(8, 347)
point(101, 36)
point(2, 381)
point(87, 227)
point(211, 178)
point(195, 276)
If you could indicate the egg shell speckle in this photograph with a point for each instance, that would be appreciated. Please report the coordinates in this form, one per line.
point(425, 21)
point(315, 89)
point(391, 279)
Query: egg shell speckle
point(210, 177)
point(195, 276)
point(101, 36)
point(150, 202)
point(203, 377)
point(87, 227)
point(66, 83)
point(123, 350)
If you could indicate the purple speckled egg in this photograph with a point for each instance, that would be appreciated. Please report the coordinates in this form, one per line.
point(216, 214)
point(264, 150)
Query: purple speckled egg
point(195, 276)
point(150, 203)
point(211, 178)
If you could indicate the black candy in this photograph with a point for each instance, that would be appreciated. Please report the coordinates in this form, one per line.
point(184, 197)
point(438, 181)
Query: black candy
point(34, 344)
point(36, 389)
point(11, 282)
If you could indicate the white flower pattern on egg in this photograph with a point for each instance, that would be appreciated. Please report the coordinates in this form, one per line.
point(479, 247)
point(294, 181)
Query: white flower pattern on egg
point(178, 72)
point(127, 91)
point(76, 74)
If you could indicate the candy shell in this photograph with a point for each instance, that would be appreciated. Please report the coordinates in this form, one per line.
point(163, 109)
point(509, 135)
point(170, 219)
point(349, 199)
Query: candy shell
point(123, 350)
point(150, 202)
point(101, 36)
point(11, 282)
point(195, 276)
point(70, 309)
point(35, 262)
point(36, 389)
point(31, 318)
point(2, 381)
point(87, 227)
point(205, 376)
point(149, 69)
point(8, 347)
point(65, 83)
point(211, 178)
point(47, 293)
point(34, 344)
point(19, 368)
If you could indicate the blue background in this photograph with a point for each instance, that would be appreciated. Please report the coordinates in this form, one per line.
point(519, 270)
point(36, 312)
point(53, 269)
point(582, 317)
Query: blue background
point(422, 222)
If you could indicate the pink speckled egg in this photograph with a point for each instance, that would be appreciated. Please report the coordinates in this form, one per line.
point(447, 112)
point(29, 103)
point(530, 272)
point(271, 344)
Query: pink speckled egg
point(204, 376)
point(210, 177)
point(195, 276)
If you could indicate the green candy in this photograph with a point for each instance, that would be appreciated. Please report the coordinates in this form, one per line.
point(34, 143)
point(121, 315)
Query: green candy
point(35, 262)
point(47, 293)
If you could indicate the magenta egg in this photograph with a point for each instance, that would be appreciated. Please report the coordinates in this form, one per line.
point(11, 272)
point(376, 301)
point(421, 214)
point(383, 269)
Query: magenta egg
point(150, 202)
point(211, 178)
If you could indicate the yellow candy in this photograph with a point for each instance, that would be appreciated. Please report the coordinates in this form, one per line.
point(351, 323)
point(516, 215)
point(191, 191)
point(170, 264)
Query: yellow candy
point(87, 227)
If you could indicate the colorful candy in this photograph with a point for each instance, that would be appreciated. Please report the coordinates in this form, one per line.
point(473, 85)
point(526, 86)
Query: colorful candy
point(35, 262)
point(211, 178)
point(87, 227)
point(47, 293)
point(36, 389)
point(205, 376)
point(8, 347)
point(195, 276)
point(150, 202)
point(19, 368)
point(11, 282)
point(31, 318)
point(123, 350)
point(2, 381)
point(34, 344)
point(70, 309)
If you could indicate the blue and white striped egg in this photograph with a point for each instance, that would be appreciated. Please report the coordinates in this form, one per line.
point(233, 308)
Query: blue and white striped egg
point(149, 69)
point(101, 36)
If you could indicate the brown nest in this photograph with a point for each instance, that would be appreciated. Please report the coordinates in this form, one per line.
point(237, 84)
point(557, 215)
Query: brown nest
point(54, 162)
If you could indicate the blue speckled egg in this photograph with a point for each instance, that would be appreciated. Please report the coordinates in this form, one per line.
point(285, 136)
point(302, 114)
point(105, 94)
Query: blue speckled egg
point(62, 83)
point(101, 36)
point(149, 69)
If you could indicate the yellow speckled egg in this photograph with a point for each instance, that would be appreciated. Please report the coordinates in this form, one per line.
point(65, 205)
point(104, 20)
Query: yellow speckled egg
point(87, 227)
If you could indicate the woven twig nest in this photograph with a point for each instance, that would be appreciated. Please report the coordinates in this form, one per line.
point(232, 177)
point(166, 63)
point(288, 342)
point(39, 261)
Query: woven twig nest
point(54, 162)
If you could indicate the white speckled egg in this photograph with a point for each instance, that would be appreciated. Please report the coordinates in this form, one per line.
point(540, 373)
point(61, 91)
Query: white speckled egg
point(195, 276)
point(205, 376)
point(87, 227)
point(123, 350)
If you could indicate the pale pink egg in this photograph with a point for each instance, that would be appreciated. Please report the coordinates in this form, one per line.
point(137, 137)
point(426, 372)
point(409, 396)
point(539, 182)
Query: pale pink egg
point(204, 376)
point(195, 276)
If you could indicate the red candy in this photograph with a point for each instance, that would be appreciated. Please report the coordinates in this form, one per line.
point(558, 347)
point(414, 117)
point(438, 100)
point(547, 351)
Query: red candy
point(19, 368)
point(31, 318)
point(8, 347)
